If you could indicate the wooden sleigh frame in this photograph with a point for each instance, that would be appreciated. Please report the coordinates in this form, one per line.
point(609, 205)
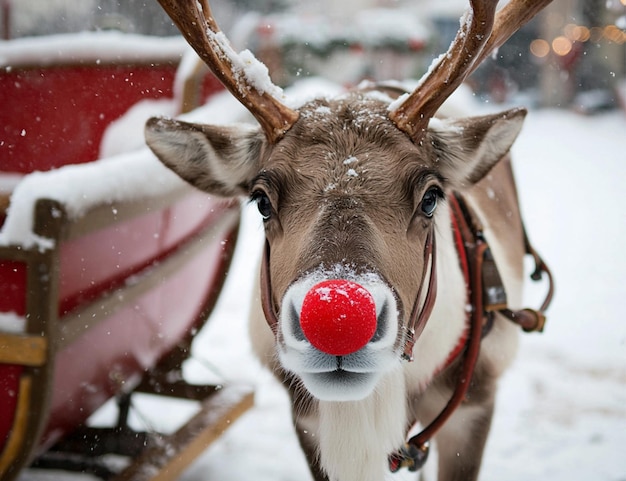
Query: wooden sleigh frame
point(202, 250)
point(47, 334)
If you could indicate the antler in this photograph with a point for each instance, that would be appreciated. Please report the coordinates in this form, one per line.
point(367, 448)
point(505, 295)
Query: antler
point(195, 21)
point(475, 40)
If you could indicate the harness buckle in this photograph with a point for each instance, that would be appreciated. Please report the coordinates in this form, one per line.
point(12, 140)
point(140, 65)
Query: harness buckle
point(540, 320)
point(409, 456)
point(409, 342)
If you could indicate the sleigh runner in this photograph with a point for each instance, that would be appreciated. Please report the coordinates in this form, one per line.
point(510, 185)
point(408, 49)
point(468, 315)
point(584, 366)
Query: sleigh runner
point(107, 271)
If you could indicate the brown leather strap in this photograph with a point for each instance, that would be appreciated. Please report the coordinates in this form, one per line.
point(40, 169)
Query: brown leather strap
point(415, 453)
point(267, 302)
point(419, 316)
point(484, 282)
point(530, 320)
point(533, 320)
point(487, 295)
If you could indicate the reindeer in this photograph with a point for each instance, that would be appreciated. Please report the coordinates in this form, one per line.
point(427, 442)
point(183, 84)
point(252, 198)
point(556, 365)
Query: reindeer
point(393, 263)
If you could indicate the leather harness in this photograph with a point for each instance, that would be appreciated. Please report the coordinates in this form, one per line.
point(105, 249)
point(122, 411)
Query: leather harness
point(486, 295)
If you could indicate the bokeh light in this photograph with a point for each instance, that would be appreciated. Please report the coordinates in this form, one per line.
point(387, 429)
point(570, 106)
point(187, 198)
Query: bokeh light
point(540, 48)
point(562, 45)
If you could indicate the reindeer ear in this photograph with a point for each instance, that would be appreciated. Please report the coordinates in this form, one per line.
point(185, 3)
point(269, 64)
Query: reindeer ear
point(468, 148)
point(218, 160)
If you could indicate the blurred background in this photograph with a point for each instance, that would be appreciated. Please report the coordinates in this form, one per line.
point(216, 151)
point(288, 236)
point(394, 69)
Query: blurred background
point(573, 55)
point(562, 407)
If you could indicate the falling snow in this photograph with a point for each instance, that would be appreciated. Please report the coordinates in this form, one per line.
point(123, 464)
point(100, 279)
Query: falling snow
point(560, 411)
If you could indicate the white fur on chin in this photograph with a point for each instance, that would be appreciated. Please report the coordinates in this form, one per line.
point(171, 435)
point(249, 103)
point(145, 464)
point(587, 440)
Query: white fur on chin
point(357, 436)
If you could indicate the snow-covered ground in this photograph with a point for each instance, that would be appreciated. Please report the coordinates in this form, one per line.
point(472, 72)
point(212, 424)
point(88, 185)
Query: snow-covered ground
point(561, 411)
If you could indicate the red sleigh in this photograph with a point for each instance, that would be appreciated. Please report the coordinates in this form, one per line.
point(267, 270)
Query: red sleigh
point(108, 268)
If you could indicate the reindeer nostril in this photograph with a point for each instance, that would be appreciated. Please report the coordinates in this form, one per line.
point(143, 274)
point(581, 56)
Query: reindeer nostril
point(296, 330)
point(381, 326)
point(338, 317)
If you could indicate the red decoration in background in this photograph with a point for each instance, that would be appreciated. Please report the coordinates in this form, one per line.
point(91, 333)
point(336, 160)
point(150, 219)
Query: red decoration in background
point(56, 115)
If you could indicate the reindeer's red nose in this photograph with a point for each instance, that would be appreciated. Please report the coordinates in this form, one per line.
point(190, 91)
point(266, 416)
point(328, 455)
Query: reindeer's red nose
point(338, 317)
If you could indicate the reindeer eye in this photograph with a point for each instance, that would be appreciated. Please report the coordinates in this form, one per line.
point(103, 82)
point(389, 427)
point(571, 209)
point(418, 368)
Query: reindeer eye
point(429, 201)
point(263, 204)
